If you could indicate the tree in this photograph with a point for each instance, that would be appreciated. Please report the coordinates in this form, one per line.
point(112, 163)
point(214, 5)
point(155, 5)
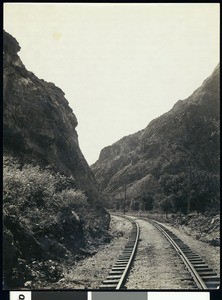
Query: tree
point(167, 204)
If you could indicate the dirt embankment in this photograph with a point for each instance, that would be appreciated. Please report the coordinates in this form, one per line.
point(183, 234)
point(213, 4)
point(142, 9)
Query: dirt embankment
point(203, 227)
point(89, 273)
point(156, 266)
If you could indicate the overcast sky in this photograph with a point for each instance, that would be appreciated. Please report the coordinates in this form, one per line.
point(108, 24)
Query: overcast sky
point(119, 65)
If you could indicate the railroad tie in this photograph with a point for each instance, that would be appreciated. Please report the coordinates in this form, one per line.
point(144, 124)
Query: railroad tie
point(117, 276)
point(203, 275)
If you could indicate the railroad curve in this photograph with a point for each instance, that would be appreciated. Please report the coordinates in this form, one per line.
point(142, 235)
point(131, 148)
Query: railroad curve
point(204, 276)
point(119, 272)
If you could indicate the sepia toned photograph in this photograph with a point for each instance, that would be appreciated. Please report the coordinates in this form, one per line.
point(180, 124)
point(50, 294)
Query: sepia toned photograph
point(111, 147)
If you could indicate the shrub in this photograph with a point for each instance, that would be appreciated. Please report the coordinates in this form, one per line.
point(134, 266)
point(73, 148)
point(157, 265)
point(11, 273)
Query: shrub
point(72, 198)
point(27, 186)
point(36, 196)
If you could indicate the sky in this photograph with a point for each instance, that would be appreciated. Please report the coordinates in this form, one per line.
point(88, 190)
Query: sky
point(119, 65)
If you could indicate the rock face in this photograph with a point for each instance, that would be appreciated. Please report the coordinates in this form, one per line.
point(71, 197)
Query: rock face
point(38, 123)
point(174, 158)
point(52, 211)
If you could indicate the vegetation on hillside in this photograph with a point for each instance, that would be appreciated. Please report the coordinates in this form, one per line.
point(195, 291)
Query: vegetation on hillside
point(44, 223)
point(52, 207)
point(173, 164)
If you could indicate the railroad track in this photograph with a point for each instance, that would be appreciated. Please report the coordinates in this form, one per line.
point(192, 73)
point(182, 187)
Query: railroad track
point(202, 274)
point(119, 272)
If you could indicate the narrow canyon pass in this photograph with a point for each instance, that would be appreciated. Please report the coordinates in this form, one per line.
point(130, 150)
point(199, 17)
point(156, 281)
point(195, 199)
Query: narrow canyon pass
point(68, 225)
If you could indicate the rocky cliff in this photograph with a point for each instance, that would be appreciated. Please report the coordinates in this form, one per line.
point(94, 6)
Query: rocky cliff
point(175, 158)
point(51, 198)
point(38, 123)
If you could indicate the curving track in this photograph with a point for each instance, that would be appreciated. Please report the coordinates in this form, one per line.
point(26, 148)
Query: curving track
point(202, 274)
point(118, 275)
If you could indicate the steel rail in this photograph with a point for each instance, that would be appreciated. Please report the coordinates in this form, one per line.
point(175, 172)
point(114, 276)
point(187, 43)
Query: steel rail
point(209, 280)
point(118, 275)
point(126, 271)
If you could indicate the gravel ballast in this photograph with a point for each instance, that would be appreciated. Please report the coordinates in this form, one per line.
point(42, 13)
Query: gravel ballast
point(156, 265)
point(90, 272)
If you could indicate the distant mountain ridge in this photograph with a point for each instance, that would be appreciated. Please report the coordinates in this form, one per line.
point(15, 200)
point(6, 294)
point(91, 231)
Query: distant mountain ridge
point(186, 137)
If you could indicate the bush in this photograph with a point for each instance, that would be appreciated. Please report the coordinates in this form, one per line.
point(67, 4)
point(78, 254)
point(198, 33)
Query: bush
point(35, 198)
point(34, 187)
point(72, 198)
point(29, 186)
point(45, 218)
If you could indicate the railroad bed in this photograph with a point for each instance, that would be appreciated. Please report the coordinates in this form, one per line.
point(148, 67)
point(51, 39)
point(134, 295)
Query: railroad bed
point(202, 274)
point(119, 272)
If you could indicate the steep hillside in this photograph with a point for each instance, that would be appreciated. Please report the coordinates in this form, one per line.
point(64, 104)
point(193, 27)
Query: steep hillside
point(173, 160)
point(39, 125)
point(51, 208)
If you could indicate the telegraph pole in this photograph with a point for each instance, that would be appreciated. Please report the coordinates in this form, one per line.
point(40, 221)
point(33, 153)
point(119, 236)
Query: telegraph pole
point(189, 196)
point(124, 201)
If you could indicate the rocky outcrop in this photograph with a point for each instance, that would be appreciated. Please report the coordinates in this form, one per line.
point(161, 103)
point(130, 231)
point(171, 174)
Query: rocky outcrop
point(178, 153)
point(38, 123)
point(52, 206)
